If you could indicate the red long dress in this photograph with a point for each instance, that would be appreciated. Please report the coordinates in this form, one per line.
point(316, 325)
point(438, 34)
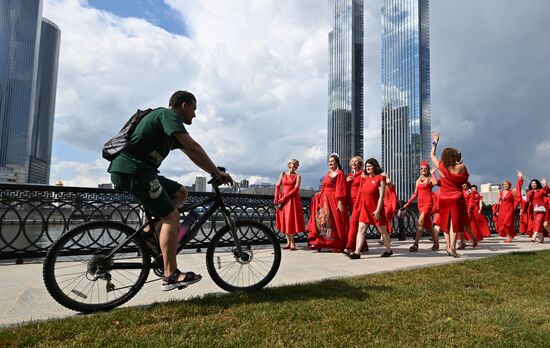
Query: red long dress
point(535, 198)
point(290, 217)
point(328, 226)
point(523, 209)
point(425, 201)
point(352, 187)
point(506, 223)
point(452, 205)
point(435, 209)
point(390, 205)
point(367, 202)
point(495, 209)
point(478, 221)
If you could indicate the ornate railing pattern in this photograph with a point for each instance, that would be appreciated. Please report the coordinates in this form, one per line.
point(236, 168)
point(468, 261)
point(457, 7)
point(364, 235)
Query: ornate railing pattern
point(32, 217)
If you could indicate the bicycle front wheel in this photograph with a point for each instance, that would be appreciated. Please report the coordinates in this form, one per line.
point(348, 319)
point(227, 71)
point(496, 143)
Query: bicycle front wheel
point(83, 272)
point(251, 270)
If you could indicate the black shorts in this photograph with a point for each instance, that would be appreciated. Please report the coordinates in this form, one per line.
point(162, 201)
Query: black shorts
point(154, 192)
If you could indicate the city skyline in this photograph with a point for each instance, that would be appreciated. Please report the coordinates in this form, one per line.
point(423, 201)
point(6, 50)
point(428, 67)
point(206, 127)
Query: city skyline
point(262, 92)
point(345, 82)
point(406, 105)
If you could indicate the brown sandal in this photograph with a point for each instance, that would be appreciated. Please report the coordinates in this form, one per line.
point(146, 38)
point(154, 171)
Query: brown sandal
point(413, 248)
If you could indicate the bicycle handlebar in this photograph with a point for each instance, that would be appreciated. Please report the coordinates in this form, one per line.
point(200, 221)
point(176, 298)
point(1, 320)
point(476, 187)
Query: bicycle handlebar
point(214, 181)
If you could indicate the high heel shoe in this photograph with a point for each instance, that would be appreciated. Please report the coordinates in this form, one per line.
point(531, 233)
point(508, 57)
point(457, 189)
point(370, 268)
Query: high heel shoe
point(454, 254)
point(462, 246)
point(475, 243)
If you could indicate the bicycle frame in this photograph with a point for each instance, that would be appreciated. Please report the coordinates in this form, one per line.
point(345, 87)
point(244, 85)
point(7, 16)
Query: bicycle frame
point(217, 203)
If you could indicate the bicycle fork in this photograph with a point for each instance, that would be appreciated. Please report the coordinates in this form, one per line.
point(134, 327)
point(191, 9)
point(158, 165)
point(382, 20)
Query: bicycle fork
point(230, 221)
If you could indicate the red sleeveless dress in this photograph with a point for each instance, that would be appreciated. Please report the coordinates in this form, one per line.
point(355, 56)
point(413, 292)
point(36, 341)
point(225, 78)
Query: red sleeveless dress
point(352, 193)
point(536, 201)
point(452, 205)
point(290, 217)
point(478, 222)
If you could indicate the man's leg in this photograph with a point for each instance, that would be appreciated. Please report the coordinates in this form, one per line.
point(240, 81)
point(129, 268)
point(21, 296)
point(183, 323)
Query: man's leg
point(168, 241)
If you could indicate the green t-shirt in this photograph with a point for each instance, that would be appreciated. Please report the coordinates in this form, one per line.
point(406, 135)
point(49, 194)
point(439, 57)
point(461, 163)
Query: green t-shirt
point(154, 137)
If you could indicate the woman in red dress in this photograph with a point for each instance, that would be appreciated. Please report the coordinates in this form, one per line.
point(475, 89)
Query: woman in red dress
point(452, 205)
point(521, 200)
point(290, 215)
point(507, 202)
point(436, 219)
point(328, 223)
point(370, 205)
point(469, 228)
point(424, 186)
point(537, 191)
point(353, 181)
point(478, 221)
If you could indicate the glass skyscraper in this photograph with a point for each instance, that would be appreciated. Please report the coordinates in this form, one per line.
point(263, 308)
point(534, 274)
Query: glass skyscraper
point(345, 86)
point(44, 109)
point(29, 50)
point(406, 106)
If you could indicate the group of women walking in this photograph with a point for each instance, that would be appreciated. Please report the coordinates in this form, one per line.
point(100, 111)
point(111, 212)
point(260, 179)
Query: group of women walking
point(347, 204)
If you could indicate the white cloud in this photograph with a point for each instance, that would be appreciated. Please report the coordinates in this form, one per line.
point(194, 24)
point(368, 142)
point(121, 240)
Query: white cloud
point(257, 69)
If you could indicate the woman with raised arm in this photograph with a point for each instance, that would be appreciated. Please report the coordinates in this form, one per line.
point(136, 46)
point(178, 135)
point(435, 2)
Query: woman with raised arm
point(424, 186)
point(370, 205)
point(507, 202)
point(328, 223)
point(452, 205)
point(289, 214)
point(537, 191)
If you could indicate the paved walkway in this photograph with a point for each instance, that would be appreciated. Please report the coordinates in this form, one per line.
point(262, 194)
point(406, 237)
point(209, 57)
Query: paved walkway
point(23, 296)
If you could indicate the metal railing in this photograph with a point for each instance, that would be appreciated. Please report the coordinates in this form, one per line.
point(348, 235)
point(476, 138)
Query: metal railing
point(32, 217)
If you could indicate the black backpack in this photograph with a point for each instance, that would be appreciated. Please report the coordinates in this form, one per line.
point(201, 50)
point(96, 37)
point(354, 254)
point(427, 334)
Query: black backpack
point(121, 142)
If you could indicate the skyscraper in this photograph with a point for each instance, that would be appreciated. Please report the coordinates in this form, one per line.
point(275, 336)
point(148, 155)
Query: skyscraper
point(44, 109)
point(345, 86)
point(28, 78)
point(406, 106)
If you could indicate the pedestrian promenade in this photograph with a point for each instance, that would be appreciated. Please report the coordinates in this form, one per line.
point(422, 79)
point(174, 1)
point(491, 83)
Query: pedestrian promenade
point(24, 298)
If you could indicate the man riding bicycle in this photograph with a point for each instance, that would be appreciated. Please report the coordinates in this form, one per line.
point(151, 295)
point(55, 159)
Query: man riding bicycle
point(158, 133)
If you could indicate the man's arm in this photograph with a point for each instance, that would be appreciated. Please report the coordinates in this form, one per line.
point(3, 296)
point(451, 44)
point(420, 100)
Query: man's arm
point(196, 153)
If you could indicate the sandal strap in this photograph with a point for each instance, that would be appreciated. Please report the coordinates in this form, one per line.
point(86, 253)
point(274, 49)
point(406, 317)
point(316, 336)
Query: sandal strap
point(173, 278)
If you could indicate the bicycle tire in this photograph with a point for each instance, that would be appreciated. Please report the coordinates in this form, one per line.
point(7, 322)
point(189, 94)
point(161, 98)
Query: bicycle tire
point(72, 265)
point(260, 244)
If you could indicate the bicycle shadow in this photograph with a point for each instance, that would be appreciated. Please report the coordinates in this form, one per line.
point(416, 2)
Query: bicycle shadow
point(320, 290)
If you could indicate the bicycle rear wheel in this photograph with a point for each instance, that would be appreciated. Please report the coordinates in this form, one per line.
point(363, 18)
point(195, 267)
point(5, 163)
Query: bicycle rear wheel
point(252, 270)
point(80, 273)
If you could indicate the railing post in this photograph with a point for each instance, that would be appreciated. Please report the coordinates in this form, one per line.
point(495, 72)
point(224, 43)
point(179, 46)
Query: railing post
point(401, 229)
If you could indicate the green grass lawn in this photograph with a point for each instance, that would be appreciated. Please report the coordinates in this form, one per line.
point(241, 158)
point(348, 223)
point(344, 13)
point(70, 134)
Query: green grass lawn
point(501, 301)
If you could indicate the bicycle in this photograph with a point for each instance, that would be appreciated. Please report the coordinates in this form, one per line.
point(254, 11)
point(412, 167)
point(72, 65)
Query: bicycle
point(100, 265)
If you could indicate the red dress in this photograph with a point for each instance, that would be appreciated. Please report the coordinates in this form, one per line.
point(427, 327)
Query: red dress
point(478, 222)
point(435, 209)
point(452, 205)
point(328, 226)
point(352, 187)
point(523, 209)
point(367, 202)
point(535, 198)
point(390, 205)
point(290, 217)
point(506, 223)
point(425, 201)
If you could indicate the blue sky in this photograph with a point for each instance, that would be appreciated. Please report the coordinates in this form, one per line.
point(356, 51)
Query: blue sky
point(154, 11)
point(259, 70)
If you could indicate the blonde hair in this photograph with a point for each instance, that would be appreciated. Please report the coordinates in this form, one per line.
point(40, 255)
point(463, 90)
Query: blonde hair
point(294, 160)
point(359, 159)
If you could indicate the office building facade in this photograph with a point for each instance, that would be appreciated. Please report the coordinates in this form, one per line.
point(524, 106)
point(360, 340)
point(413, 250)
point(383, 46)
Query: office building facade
point(29, 51)
point(406, 106)
point(345, 87)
